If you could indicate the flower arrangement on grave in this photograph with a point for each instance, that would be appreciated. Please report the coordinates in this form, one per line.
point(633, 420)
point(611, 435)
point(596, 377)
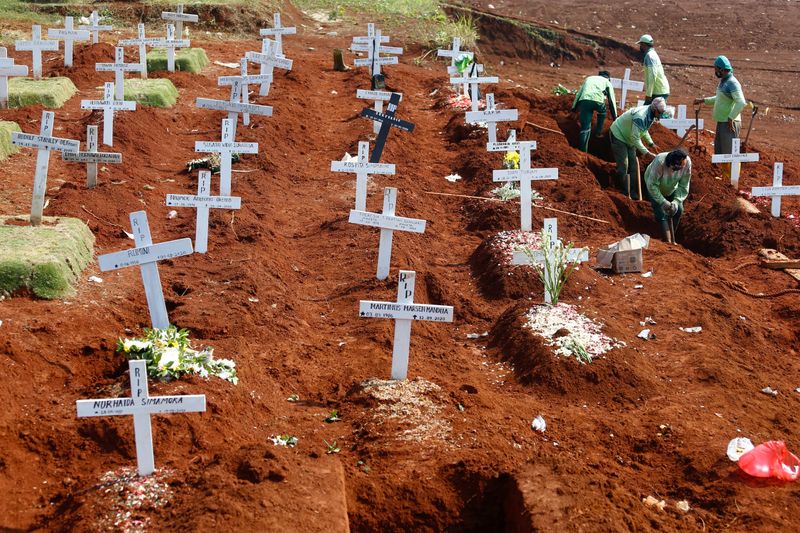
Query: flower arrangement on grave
point(169, 355)
point(507, 242)
point(212, 163)
point(557, 266)
point(511, 160)
point(765, 202)
point(508, 191)
point(464, 102)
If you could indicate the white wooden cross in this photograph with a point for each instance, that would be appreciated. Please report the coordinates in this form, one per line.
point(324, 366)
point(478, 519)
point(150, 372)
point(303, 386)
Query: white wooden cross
point(203, 202)
point(378, 97)
point(8, 69)
point(268, 60)
point(91, 157)
point(171, 43)
point(43, 143)
point(510, 144)
point(226, 148)
point(454, 53)
point(109, 104)
point(362, 168)
point(680, 123)
point(179, 17)
point(68, 34)
point(146, 256)
point(94, 27)
point(142, 41)
point(234, 106)
point(626, 84)
point(36, 45)
point(403, 312)
point(374, 50)
point(119, 67)
point(735, 159)
point(491, 116)
point(777, 190)
point(576, 255)
point(278, 32)
point(525, 174)
point(244, 79)
point(141, 405)
point(474, 81)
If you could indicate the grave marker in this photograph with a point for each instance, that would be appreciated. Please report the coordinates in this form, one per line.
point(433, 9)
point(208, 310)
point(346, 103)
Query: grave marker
point(8, 69)
point(454, 53)
point(179, 17)
point(403, 312)
point(91, 157)
point(234, 106)
point(68, 34)
point(388, 223)
point(524, 175)
point(203, 202)
point(491, 115)
point(474, 81)
point(226, 148)
point(374, 50)
point(141, 405)
point(777, 190)
point(146, 256)
point(94, 27)
point(43, 143)
point(388, 121)
point(626, 84)
point(680, 123)
point(245, 80)
point(362, 168)
point(269, 61)
point(36, 45)
point(118, 67)
point(735, 159)
point(278, 32)
point(505, 146)
point(142, 41)
point(378, 97)
point(108, 104)
point(171, 43)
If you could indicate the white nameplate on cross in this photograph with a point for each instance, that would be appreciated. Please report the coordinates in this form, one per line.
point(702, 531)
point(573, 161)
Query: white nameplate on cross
point(491, 115)
point(735, 159)
point(43, 143)
point(179, 17)
point(362, 168)
point(508, 145)
point(680, 123)
point(524, 175)
point(171, 43)
point(269, 60)
point(203, 202)
point(233, 106)
point(403, 312)
point(108, 104)
point(142, 41)
point(119, 67)
point(91, 157)
point(94, 27)
point(371, 36)
point(278, 32)
point(244, 80)
point(146, 256)
point(226, 148)
point(36, 45)
point(141, 405)
point(626, 84)
point(777, 190)
point(473, 80)
point(68, 34)
point(378, 97)
point(8, 69)
point(388, 223)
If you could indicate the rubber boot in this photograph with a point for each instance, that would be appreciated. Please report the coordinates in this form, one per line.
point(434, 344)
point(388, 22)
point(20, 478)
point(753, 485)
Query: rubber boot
point(666, 235)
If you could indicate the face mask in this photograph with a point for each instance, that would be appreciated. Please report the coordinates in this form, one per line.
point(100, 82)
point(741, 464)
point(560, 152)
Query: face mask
point(718, 73)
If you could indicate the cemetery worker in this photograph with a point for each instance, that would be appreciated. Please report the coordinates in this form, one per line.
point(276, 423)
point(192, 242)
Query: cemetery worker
point(626, 136)
point(592, 97)
point(728, 104)
point(655, 81)
point(667, 181)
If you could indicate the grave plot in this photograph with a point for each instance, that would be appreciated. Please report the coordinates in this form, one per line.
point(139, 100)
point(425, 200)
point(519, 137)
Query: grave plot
point(6, 147)
point(50, 93)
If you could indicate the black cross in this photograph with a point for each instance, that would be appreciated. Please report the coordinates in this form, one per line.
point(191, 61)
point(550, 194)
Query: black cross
point(388, 121)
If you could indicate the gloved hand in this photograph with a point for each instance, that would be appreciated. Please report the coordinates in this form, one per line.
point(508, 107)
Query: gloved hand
point(666, 206)
point(675, 206)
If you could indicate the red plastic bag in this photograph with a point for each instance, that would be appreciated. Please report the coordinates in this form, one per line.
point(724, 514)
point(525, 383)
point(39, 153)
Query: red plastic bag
point(771, 459)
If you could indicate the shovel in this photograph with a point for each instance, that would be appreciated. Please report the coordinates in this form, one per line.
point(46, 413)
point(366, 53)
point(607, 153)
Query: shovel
point(749, 128)
point(697, 148)
point(671, 231)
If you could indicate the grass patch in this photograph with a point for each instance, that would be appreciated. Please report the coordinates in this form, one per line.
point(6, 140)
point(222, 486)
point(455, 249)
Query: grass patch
point(19, 11)
point(186, 60)
point(45, 260)
point(51, 93)
point(157, 92)
point(6, 148)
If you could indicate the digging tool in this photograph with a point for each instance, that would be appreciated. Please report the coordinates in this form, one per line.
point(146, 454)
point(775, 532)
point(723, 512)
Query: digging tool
point(671, 231)
point(749, 128)
point(685, 135)
point(638, 180)
point(697, 148)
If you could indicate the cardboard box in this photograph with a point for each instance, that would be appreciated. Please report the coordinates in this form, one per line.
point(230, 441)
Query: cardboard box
point(625, 255)
point(628, 261)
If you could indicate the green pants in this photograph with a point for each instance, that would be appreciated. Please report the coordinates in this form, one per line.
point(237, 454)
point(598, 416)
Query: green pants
point(625, 157)
point(586, 109)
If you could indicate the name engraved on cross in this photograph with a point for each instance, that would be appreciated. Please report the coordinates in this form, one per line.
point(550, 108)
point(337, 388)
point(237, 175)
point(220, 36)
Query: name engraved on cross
point(233, 106)
point(68, 34)
point(36, 45)
point(277, 31)
point(118, 67)
point(226, 148)
point(43, 143)
point(171, 43)
point(108, 105)
point(506, 146)
point(269, 60)
point(142, 41)
point(388, 121)
point(491, 116)
point(8, 69)
point(626, 84)
point(146, 256)
point(141, 405)
point(403, 312)
point(474, 81)
point(94, 27)
point(524, 175)
point(576, 255)
point(388, 223)
point(245, 80)
point(91, 157)
point(777, 190)
point(203, 202)
point(680, 123)
point(374, 50)
point(362, 168)
point(735, 159)
point(179, 17)
point(378, 97)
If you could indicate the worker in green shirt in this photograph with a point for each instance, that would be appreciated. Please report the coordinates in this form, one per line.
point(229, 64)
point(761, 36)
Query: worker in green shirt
point(655, 81)
point(667, 180)
point(728, 104)
point(592, 97)
point(626, 137)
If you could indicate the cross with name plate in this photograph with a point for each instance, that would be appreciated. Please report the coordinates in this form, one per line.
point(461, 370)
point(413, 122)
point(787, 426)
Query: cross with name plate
point(474, 80)
point(374, 50)
point(141, 406)
point(171, 43)
point(735, 159)
point(626, 84)
point(403, 312)
point(454, 54)
point(388, 121)
point(278, 32)
point(362, 168)
point(226, 148)
point(68, 34)
point(379, 97)
point(119, 67)
point(94, 27)
point(91, 157)
point(8, 69)
point(142, 41)
point(269, 60)
point(36, 45)
point(108, 104)
point(777, 190)
point(680, 123)
point(244, 80)
point(234, 106)
point(491, 116)
point(179, 17)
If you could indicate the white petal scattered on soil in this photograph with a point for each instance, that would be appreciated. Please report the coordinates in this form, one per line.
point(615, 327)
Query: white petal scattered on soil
point(738, 447)
point(539, 424)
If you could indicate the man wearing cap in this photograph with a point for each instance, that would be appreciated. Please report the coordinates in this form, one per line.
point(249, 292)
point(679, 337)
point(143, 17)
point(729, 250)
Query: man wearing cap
point(592, 97)
point(626, 136)
point(655, 81)
point(667, 180)
point(728, 104)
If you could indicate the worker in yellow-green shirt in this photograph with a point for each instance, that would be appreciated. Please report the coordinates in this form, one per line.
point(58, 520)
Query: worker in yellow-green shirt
point(591, 98)
point(655, 80)
point(667, 180)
